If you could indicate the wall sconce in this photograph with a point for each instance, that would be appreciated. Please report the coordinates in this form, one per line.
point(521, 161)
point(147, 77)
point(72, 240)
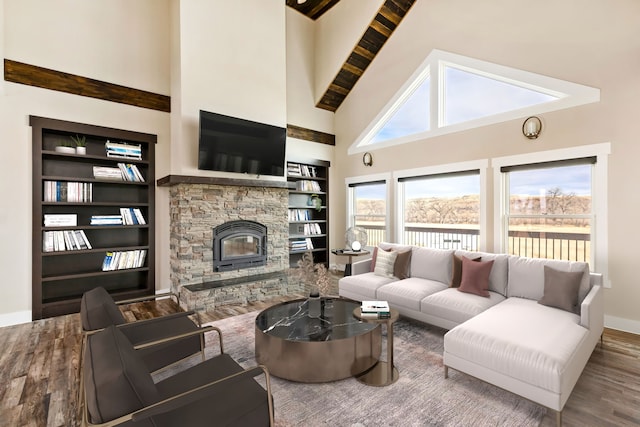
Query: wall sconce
point(532, 127)
point(367, 159)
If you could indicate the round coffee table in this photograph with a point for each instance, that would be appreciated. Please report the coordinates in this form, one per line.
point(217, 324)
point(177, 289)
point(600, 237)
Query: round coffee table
point(334, 346)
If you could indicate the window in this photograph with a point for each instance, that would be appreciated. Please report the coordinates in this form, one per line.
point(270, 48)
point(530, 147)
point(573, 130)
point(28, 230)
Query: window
point(443, 206)
point(368, 209)
point(450, 93)
point(553, 205)
point(548, 209)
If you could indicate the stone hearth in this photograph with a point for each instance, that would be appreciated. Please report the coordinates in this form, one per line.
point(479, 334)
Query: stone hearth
point(195, 209)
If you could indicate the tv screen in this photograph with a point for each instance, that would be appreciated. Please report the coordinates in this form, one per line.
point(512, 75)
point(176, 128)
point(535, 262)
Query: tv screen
point(230, 144)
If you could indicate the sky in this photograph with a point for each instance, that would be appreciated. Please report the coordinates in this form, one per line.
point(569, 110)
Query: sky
point(571, 179)
point(467, 96)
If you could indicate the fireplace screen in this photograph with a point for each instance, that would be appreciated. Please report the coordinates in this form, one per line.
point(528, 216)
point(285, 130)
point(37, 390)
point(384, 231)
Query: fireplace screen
point(239, 244)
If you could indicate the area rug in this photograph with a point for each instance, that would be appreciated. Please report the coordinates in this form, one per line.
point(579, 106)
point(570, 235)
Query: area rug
point(420, 397)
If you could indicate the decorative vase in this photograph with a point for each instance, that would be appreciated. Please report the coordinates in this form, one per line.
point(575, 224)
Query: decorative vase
point(314, 305)
point(81, 150)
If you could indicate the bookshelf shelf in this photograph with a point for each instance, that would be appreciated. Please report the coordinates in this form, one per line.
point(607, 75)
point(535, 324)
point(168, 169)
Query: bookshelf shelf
point(308, 223)
point(61, 275)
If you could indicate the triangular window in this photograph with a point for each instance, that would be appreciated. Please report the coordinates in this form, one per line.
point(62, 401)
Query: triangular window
point(450, 93)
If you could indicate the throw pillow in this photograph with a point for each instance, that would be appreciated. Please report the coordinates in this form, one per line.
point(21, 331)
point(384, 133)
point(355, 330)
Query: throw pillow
point(561, 289)
point(456, 276)
point(475, 277)
point(385, 262)
point(373, 259)
point(401, 266)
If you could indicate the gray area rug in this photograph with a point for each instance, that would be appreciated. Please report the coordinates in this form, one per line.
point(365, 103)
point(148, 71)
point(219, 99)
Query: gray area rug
point(420, 397)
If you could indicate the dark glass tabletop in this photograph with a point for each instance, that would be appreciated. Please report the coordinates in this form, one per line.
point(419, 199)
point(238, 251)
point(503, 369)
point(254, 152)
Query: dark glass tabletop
point(290, 321)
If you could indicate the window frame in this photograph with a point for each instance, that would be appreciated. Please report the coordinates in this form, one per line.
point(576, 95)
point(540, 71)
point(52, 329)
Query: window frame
point(599, 194)
point(451, 168)
point(352, 182)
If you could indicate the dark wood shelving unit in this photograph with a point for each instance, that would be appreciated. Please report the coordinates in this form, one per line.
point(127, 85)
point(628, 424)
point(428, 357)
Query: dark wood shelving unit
point(61, 277)
point(306, 222)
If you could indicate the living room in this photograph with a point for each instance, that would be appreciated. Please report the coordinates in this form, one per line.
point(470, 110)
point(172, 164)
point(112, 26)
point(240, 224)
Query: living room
point(264, 61)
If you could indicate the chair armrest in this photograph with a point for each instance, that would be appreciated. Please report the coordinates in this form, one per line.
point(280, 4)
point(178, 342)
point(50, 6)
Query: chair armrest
point(360, 267)
point(165, 318)
point(203, 391)
point(592, 311)
point(149, 298)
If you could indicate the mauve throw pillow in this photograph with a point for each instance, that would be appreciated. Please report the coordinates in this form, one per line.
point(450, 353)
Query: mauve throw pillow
point(561, 289)
point(456, 276)
point(373, 259)
point(475, 277)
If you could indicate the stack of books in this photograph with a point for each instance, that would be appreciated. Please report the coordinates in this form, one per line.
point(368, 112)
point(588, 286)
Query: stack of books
point(375, 310)
point(123, 260)
point(106, 220)
point(65, 240)
point(132, 216)
point(123, 150)
point(301, 245)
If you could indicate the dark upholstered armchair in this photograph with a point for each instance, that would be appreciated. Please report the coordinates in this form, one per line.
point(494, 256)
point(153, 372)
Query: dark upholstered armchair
point(119, 389)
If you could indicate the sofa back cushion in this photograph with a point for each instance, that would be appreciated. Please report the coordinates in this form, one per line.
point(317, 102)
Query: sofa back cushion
point(499, 272)
point(98, 310)
point(117, 381)
point(526, 276)
point(432, 264)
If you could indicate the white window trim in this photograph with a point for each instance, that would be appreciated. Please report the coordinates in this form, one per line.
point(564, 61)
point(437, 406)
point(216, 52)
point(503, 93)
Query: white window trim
point(600, 246)
point(481, 165)
point(572, 94)
point(364, 179)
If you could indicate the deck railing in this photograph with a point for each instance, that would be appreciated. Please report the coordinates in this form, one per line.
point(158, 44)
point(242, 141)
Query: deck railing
point(571, 246)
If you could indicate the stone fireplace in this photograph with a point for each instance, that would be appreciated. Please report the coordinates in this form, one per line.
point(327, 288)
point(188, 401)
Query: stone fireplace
point(206, 212)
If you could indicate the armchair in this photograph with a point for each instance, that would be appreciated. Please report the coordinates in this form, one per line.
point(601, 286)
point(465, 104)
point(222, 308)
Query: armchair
point(119, 389)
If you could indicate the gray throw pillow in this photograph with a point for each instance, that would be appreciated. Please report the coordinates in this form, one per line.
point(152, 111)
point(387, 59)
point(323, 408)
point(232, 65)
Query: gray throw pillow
point(561, 289)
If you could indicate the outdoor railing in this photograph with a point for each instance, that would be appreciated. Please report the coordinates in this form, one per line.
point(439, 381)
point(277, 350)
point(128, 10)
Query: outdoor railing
point(571, 246)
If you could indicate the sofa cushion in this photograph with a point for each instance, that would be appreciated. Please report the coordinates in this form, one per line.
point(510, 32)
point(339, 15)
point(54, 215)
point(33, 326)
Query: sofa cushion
point(475, 277)
point(98, 310)
point(521, 339)
point(457, 306)
point(385, 262)
point(526, 276)
point(364, 285)
point(432, 264)
point(409, 292)
point(456, 273)
point(401, 268)
point(561, 289)
point(499, 271)
point(117, 381)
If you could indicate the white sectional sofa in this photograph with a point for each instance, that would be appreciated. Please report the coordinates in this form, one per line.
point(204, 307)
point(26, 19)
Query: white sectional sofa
point(508, 338)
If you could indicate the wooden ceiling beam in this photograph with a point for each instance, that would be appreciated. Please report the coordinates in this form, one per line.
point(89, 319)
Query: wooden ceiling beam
point(377, 33)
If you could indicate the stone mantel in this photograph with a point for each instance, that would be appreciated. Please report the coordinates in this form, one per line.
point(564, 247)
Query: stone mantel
point(171, 180)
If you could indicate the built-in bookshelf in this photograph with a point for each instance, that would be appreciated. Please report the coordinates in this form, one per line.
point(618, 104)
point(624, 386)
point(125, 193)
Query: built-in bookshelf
point(308, 210)
point(93, 214)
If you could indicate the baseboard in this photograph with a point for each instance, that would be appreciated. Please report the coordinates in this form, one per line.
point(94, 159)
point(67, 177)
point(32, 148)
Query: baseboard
point(15, 318)
point(620, 324)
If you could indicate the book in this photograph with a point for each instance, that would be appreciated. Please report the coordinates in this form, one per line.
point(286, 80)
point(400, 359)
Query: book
point(382, 315)
point(60, 220)
point(374, 307)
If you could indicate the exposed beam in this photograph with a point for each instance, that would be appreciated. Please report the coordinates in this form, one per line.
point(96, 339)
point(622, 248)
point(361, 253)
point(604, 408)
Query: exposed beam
point(298, 132)
point(312, 8)
point(32, 75)
point(385, 22)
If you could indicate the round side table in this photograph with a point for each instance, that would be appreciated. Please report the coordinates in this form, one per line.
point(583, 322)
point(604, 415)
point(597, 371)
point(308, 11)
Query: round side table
point(384, 372)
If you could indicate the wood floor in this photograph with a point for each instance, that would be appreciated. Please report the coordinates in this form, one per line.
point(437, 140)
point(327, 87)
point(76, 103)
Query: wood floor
point(39, 364)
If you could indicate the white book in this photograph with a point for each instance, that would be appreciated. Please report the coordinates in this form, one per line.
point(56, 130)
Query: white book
point(374, 306)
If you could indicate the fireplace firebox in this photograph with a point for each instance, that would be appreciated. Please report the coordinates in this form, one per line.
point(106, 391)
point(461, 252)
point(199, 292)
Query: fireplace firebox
point(239, 244)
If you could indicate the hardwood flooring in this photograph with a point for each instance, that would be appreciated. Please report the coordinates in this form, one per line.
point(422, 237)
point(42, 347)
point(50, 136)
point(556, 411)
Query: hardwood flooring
point(39, 367)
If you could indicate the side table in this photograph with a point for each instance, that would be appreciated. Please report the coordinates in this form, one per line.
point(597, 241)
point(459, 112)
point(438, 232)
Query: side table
point(384, 372)
point(350, 254)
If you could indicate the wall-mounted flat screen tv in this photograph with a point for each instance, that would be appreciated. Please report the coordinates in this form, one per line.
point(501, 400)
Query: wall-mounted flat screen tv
point(231, 144)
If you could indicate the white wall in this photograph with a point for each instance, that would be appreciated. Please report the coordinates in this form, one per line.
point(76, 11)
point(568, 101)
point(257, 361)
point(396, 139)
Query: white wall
point(594, 43)
point(110, 40)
